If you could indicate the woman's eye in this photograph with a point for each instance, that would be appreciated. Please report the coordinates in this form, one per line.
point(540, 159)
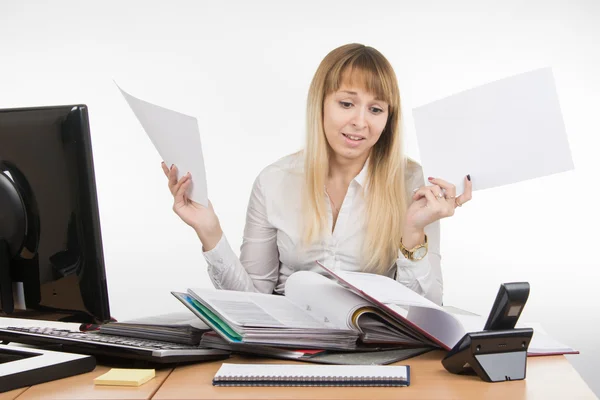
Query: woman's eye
point(345, 104)
point(376, 110)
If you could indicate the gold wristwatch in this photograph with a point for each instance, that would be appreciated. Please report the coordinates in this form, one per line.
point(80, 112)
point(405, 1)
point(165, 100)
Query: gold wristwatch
point(416, 253)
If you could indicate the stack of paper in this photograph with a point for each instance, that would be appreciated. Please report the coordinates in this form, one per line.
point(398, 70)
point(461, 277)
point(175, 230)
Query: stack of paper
point(258, 318)
point(181, 328)
point(361, 356)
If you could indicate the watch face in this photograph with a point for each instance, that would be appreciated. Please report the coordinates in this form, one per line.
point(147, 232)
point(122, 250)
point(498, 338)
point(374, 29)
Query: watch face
point(419, 253)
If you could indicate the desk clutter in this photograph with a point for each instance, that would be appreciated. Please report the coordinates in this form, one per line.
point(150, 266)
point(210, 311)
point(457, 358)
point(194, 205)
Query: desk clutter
point(345, 312)
point(343, 319)
point(328, 317)
point(356, 312)
point(336, 318)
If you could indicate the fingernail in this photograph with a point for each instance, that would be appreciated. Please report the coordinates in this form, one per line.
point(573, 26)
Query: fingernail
point(469, 177)
point(430, 178)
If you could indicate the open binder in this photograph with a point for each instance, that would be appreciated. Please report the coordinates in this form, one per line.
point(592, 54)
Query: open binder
point(405, 311)
point(340, 310)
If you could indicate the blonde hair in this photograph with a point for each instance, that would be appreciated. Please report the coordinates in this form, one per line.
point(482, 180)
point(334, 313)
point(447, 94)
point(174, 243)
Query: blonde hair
point(385, 193)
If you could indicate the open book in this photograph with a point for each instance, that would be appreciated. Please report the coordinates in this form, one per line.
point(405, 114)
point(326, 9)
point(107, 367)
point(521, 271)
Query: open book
point(334, 309)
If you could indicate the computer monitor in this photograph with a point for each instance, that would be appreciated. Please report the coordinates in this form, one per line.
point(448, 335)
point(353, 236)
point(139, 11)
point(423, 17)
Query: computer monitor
point(51, 258)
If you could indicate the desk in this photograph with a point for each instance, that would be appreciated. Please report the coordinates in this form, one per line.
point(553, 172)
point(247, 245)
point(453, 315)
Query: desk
point(81, 387)
point(13, 394)
point(547, 378)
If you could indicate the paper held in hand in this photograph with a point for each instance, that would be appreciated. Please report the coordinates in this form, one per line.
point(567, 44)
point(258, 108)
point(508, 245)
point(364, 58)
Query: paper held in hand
point(500, 133)
point(177, 139)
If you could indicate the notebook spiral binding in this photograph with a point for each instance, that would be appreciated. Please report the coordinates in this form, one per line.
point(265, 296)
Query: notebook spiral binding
point(304, 375)
point(307, 378)
point(286, 380)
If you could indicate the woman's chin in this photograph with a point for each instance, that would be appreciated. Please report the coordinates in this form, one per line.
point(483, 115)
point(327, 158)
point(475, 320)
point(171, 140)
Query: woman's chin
point(351, 154)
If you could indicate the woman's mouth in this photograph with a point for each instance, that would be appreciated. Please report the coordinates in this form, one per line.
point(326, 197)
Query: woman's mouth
point(353, 138)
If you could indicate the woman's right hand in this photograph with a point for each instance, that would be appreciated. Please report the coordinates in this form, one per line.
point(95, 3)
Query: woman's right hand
point(203, 219)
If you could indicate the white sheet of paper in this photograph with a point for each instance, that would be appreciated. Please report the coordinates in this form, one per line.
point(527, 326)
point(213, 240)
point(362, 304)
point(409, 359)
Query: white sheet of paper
point(177, 140)
point(500, 133)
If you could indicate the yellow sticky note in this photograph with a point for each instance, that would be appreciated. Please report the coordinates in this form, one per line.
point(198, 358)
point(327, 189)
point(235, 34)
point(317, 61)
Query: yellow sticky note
point(125, 377)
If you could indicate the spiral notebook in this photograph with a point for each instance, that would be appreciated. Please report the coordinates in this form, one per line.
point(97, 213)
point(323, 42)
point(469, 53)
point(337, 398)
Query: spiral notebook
point(311, 375)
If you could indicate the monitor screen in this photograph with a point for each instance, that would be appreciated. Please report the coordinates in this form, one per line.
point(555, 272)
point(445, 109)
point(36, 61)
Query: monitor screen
point(51, 259)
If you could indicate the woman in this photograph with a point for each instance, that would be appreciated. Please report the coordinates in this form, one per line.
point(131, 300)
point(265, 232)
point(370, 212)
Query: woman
point(349, 199)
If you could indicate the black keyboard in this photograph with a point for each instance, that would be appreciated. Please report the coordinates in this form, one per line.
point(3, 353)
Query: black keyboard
point(110, 346)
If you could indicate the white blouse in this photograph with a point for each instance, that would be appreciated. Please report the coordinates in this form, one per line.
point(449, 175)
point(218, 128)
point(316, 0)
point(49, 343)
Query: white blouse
point(272, 249)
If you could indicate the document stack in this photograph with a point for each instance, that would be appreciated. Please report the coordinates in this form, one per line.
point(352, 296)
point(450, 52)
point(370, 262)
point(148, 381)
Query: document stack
point(341, 310)
point(256, 318)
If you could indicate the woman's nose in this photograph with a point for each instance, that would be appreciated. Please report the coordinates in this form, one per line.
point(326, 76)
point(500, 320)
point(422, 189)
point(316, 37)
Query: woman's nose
point(358, 120)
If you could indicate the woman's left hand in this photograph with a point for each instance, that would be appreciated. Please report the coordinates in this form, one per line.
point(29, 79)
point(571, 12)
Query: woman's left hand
point(431, 203)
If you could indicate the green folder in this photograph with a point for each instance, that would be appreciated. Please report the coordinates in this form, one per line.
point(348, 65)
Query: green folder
point(218, 322)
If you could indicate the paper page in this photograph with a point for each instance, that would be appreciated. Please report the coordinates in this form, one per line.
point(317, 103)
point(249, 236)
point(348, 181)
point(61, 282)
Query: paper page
point(380, 328)
point(323, 298)
point(212, 339)
point(407, 305)
point(244, 309)
point(543, 344)
point(177, 139)
point(470, 323)
point(385, 289)
point(438, 323)
point(503, 132)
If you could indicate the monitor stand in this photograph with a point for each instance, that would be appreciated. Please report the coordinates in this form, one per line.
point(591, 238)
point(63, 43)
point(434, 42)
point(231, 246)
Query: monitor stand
point(24, 366)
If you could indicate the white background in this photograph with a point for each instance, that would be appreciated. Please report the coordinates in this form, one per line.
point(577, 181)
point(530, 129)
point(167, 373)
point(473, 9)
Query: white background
point(243, 69)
